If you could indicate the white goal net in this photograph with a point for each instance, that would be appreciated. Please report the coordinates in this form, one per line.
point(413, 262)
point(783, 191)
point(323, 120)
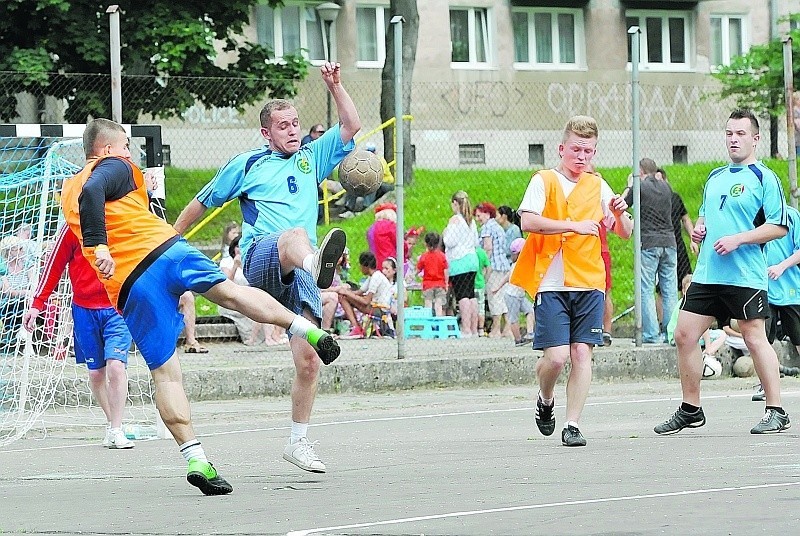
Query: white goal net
point(41, 388)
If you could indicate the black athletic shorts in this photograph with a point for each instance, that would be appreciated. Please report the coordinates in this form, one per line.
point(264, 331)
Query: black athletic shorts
point(724, 302)
point(789, 317)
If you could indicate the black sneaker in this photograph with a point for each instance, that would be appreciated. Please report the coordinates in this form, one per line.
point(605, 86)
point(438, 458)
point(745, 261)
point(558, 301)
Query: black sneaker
point(545, 420)
point(759, 395)
point(203, 476)
point(771, 423)
point(572, 437)
point(327, 257)
point(680, 420)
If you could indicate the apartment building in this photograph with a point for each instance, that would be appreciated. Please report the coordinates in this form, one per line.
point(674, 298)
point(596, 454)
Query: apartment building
point(495, 80)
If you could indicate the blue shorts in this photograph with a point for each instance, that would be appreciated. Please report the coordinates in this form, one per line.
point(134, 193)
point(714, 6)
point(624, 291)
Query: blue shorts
point(151, 310)
point(262, 269)
point(568, 316)
point(100, 335)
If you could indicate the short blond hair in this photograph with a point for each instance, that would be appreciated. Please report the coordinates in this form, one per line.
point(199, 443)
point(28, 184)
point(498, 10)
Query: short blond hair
point(582, 126)
point(98, 133)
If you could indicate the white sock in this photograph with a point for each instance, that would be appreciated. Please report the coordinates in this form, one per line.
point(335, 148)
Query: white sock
point(568, 423)
point(546, 401)
point(300, 326)
point(308, 263)
point(192, 449)
point(299, 431)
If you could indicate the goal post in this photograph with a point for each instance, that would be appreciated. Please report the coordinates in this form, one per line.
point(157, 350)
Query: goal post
point(41, 387)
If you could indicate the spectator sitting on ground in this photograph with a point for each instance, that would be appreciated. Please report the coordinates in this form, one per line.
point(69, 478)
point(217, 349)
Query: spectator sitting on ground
point(375, 293)
point(435, 274)
point(389, 269)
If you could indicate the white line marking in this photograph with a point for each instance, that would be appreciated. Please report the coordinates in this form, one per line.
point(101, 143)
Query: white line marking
point(306, 532)
point(415, 417)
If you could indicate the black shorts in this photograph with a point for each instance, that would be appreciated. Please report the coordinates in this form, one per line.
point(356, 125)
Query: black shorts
point(724, 302)
point(463, 285)
point(789, 317)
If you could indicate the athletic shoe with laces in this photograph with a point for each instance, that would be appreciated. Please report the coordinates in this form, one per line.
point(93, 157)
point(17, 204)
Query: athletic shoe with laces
point(771, 423)
point(323, 342)
point(572, 437)
point(302, 454)
point(545, 420)
point(759, 395)
point(203, 476)
point(117, 440)
point(680, 420)
point(327, 257)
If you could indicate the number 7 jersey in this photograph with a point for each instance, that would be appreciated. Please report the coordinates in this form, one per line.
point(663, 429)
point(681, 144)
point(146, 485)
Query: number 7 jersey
point(738, 198)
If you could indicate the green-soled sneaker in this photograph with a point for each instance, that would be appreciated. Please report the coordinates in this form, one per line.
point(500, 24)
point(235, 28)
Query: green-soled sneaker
point(326, 346)
point(203, 476)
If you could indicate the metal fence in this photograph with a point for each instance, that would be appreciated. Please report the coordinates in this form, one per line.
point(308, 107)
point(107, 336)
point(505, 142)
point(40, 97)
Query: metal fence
point(460, 130)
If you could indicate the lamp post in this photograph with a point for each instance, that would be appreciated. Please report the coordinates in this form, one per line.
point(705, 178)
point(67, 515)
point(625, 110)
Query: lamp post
point(328, 11)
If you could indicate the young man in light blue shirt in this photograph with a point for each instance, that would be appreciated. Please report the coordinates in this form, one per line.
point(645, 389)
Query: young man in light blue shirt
point(743, 207)
point(277, 192)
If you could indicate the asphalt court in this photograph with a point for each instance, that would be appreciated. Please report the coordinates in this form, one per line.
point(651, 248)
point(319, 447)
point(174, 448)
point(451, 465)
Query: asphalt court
point(429, 462)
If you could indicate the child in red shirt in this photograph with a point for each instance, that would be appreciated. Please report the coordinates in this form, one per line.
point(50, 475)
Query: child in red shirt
point(435, 276)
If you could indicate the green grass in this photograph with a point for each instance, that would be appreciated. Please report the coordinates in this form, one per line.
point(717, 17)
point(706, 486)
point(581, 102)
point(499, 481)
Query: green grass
point(427, 202)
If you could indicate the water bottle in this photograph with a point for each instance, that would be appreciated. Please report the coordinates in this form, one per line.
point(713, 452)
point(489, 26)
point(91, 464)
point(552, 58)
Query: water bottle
point(139, 431)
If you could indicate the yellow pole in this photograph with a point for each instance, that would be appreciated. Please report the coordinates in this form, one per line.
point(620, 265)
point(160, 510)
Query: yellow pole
point(207, 219)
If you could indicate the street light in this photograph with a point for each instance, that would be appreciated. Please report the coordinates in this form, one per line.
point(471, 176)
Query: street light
point(328, 11)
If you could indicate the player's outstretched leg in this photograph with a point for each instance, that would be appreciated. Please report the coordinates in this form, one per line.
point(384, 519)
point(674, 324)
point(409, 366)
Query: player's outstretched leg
point(323, 342)
point(327, 257)
point(203, 476)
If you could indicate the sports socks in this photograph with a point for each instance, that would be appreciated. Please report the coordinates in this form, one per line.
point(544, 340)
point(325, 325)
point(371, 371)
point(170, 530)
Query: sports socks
point(570, 423)
point(688, 408)
point(299, 431)
point(192, 449)
point(308, 263)
point(546, 401)
point(300, 327)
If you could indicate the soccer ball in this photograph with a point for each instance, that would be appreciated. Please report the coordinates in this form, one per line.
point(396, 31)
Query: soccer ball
point(743, 367)
point(361, 172)
point(712, 368)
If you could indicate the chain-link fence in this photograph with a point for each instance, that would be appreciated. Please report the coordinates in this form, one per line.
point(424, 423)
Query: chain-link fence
point(483, 138)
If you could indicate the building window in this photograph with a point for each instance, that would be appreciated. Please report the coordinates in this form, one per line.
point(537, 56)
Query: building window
point(550, 38)
point(371, 24)
point(471, 153)
point(294, 28)
point(727, 39)
point(665, 38)
point(680, 154)
point(470, 37)
point(536, 154)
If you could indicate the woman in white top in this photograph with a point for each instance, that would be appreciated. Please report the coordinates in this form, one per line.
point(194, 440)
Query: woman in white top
point(460, 239)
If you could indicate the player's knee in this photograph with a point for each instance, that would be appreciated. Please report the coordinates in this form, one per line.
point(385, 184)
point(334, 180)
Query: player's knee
point(308, 365)
point(97, 376)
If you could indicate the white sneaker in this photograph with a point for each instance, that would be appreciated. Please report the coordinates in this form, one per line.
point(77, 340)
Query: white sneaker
point(303, 456)
point(107, 439)
point(118, 440)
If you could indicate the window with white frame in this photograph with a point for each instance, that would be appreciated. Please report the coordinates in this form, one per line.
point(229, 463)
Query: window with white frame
point(470, 37)
point(371, 24)
point(727, 38)
point(294, 28)
point(550, 38)
point(665, 38)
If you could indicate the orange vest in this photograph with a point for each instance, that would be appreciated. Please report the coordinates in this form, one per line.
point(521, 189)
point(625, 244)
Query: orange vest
point(133, 231)
point(583, 264)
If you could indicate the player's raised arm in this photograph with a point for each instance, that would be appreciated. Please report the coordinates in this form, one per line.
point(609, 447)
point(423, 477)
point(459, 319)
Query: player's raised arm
point(348, 115)
point(189, 215)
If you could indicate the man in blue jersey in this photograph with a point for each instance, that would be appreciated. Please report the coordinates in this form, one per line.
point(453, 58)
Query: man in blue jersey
point(783, 256)
point(277, 192)
point(743, 207)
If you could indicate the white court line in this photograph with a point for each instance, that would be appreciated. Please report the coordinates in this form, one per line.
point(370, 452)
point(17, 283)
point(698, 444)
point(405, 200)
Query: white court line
point(415, 417)
point(306, 532)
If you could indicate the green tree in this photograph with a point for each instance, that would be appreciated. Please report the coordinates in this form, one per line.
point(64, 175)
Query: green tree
point(755, 79)
point(47, 47)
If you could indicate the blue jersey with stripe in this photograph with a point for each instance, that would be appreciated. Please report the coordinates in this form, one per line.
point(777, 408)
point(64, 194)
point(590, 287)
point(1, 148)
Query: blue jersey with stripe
point(276, 191)
point(786, 289)
point(738, 198)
